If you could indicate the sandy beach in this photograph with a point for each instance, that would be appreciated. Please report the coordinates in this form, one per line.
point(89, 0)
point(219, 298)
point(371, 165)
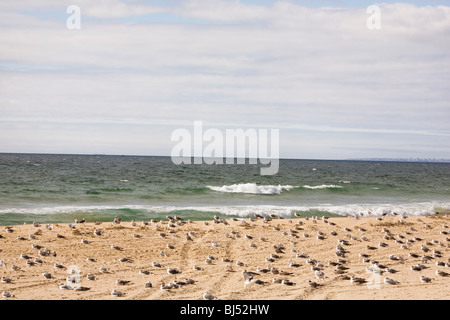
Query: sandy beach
point(340, 249)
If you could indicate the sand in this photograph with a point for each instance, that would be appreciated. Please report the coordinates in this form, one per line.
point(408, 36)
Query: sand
point(142, 244)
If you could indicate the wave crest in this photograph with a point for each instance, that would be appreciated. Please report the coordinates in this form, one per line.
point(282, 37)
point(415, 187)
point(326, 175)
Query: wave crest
point(252, 188)
point(323, 186)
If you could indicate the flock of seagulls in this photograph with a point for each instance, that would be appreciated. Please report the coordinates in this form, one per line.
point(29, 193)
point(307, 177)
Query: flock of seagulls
point(418, 253)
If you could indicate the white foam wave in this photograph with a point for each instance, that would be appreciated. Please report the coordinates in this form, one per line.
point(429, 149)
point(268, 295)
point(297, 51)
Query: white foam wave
point(322, 186)
point(252, 188)
point(406, 209)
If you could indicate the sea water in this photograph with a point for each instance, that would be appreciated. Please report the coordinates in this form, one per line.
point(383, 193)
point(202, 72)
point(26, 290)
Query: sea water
point(62, 188)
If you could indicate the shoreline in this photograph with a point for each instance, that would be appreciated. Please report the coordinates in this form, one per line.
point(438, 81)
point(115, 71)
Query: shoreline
point(250, 242)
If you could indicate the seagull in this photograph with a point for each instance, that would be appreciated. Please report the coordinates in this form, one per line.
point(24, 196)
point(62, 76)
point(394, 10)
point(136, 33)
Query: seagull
point(292, 264)
point(145, 272)
point(85, 241)
point(197, 268)
point(165, 287)
point(116, 293)
point(15, 268)
point(122, 282)
point(124, 259)
point(279, 248)
point(248, 275)
point(64, 286)
point(416, 268)
point(31, 263)
point(390, 270)
point(91, 277)
point(229, 268)
point(115, 247)
point(425, 279)
point(103, 269)
point(47, 275)
point(258, 281)
point(208, 296)
point(44, 253)
point(357, 280)
point(442, 273)
point(156, 265)
point(7, 294)
point(319, 275)
point(276, 280)
point(172, 271)
point(58, 266)
point(286, 282)
point(97, 232)
point(313, 284)
point(189, 281)
point(6, 280)
point(390, 281)
point(148, 284)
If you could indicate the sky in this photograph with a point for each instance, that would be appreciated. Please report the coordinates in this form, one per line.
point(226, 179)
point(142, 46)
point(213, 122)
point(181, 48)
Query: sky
point(132, 72)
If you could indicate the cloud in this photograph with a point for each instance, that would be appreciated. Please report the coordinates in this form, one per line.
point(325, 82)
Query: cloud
point(313, 72)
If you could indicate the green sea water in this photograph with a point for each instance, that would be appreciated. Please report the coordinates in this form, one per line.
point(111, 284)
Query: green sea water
point(61, 188)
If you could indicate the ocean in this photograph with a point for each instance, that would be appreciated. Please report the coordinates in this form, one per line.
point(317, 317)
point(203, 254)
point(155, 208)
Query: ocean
point(62, 188)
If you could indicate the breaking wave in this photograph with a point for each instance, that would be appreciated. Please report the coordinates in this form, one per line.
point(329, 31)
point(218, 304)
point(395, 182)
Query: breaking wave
point(323, 186)
point(252, 188)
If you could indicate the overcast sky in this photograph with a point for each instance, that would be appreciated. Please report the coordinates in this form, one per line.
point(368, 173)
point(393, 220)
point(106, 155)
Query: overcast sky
point(137, 70)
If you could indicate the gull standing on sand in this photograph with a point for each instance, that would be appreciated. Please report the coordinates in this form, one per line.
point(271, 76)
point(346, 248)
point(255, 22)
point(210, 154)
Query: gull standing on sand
point(248, 275)
point(357, 280)
point(6, 280)
point(319, 275)
point(122, 282)
point(7, 294)
point(64, 286)
point(208, 296)
point(442, 273)
point(425, 279)
point(172, 271)
point(390, 281)
point(286, 282)
point(116, 293)
point(313, 284)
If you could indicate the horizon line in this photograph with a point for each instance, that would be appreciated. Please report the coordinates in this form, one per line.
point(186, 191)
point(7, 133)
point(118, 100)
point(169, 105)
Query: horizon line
point(374, 159)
